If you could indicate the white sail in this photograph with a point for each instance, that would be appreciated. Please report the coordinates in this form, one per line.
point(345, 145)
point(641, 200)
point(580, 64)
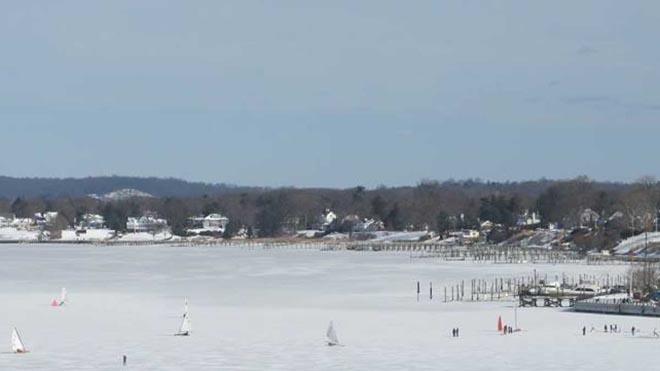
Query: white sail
point(185, 325)
point(63, 296)
point(17, 345)
point(332, 335)
point(185, 328)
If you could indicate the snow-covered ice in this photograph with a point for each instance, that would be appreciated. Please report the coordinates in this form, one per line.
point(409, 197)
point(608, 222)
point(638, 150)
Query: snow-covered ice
point(268, 309)
point(15, 234)
point(92, 235)
point(146, 237)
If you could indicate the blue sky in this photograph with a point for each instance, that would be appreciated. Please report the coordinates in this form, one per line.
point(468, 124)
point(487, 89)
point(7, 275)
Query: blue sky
point(334, 93)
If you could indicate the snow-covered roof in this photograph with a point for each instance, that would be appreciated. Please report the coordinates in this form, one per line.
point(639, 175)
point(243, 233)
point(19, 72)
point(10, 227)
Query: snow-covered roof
point(215, 216)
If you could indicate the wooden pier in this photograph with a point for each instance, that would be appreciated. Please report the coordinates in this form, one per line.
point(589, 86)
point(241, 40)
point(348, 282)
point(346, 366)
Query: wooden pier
point(525, 290)
point(479, 253)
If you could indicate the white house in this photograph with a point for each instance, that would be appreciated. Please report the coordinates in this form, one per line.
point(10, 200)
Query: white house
point(215, 221)
point(487, 225)
point(212, 223)
point(6, 220)
point(91, 221)
point(470, 234)
point(146, 224)
point(22, 223)
point(46, 218)
point(528, 219)
point(326, 219)
point(466, 235)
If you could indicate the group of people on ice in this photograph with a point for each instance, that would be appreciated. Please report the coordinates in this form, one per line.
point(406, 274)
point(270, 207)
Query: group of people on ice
point(503, 328)
point(614, 329)
point(507, 330)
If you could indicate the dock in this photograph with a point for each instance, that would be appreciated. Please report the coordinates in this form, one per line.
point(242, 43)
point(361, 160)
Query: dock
point(617, 306)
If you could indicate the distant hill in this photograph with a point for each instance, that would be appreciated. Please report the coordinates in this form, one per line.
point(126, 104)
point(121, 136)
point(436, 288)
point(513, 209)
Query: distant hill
point(122, 194)
point(76, 187)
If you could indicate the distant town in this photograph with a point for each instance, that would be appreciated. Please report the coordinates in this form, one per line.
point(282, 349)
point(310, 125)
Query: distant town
point(579, 215)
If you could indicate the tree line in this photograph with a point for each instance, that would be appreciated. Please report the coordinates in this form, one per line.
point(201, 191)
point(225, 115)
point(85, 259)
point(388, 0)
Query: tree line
point(624, 208)
point(11, 187)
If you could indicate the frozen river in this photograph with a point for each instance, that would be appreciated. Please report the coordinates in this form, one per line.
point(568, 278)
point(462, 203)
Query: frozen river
point(256, 309)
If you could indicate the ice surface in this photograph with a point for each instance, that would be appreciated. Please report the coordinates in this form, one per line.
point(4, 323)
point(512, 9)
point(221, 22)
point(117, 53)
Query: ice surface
point(146, 237)
point(71, 235)
point(14, 234)
point(268, 309)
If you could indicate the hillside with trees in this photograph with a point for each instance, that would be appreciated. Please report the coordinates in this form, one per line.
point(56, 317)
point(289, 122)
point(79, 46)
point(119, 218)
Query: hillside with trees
point(79, 187)
point(623, 208)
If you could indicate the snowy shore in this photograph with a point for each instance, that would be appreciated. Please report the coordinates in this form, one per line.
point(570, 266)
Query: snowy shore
point(267, 309)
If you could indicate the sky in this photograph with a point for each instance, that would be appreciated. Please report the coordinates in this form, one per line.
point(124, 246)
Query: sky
point(330, 93)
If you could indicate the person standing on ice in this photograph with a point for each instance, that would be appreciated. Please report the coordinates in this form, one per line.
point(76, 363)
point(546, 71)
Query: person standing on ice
point(124, 360)
point(632, 330)
point(605, 327)
point(584, 331)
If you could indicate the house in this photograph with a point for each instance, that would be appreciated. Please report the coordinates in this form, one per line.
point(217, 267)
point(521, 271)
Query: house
point(22, 223)
point(242, 233)
point(146, 223)
point(588, 218)
point(349, 222)
point(487, 226)
point(326, 219)
point(466, 235)
point(91, 221)
point(528, 219)
point(6, 220)
point(470, 234)
point(45, 219)
point(369, 225)
point(212, 223)
point(215, 221)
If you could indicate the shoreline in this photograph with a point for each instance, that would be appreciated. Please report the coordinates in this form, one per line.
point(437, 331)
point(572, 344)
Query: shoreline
point(484, 253)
